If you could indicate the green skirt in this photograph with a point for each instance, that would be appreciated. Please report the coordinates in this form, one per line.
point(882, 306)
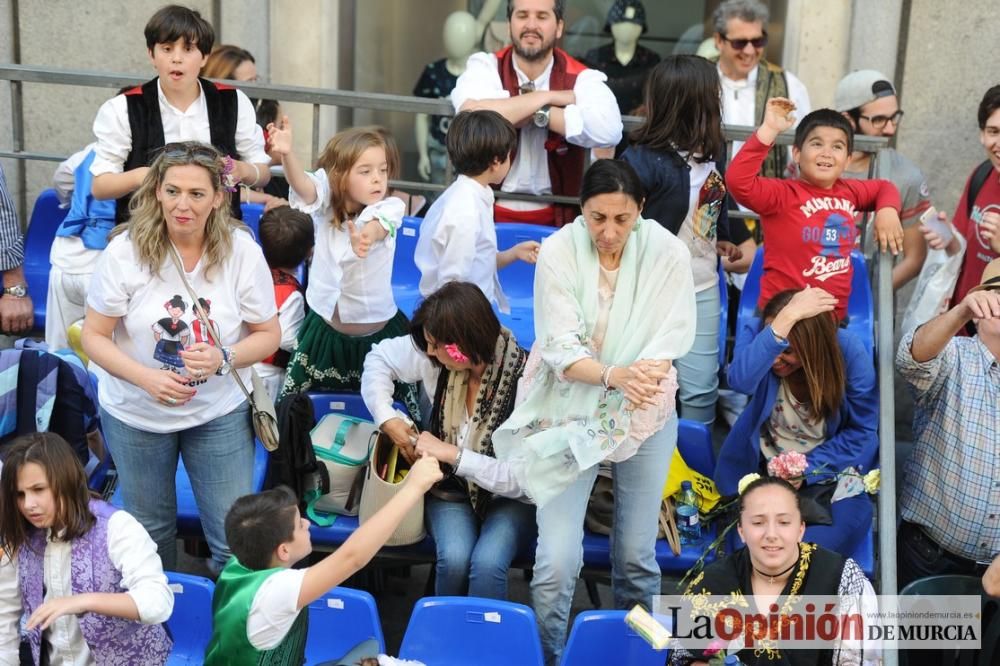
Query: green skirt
point(325, 359)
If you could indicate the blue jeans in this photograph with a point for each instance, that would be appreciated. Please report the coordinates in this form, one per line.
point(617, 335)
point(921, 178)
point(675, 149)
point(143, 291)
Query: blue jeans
point(218, 456)
point(698, 370)
point(473, 553)
point(635, 574)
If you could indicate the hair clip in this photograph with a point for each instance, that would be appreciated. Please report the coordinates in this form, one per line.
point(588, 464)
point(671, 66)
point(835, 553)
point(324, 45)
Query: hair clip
point(456, 354)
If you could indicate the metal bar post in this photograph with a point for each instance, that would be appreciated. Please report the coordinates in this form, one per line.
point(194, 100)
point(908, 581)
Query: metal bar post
point(315, 135)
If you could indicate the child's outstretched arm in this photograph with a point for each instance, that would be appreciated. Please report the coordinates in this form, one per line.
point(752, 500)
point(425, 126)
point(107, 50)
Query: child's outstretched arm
point(366, 541)
point(882, 197)
point(526, 251)
point(280, 138)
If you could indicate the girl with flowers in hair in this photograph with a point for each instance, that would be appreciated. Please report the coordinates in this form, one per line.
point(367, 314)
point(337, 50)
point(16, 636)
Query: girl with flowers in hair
point(813, 414)
point(471, 366)
point(778, 567)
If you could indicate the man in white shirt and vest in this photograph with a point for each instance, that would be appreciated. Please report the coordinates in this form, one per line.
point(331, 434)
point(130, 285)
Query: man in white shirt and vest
point(748, 80)
point(560, 107)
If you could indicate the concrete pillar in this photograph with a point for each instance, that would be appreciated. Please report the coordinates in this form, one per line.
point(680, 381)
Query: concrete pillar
point(817, 35)
point(874, 37)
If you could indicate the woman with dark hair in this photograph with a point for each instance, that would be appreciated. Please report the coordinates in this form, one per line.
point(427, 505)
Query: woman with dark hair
point(614, 307)
point(775, 566)
point(812, 388)
point(678, 153)
point(470, 365)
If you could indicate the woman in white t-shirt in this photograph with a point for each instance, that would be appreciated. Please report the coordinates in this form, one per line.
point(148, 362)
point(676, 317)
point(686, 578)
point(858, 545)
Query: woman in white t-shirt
point(676, 152)
point(164, 387)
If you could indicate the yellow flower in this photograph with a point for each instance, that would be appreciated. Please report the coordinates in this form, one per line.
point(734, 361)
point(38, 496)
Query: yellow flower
point(873, 480)
point(747, 480)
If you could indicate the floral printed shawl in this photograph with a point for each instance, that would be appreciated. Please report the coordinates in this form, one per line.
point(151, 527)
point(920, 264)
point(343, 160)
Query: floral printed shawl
point(562, 427)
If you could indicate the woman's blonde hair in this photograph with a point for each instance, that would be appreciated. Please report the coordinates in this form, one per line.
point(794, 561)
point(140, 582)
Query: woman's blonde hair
point(340, 155)
point(224, 60)
point(147, 228)
point(814, 341)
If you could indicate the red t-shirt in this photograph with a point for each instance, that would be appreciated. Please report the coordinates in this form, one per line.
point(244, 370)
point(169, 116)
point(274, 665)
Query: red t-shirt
point(809, 231)
point(977, 252)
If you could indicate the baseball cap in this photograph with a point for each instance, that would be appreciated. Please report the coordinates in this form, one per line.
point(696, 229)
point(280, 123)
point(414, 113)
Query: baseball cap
point(991, 277)
point(626, 10)
point(860, 87)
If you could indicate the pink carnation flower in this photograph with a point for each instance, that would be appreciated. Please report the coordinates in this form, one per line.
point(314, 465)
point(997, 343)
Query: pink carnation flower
point(788, 465)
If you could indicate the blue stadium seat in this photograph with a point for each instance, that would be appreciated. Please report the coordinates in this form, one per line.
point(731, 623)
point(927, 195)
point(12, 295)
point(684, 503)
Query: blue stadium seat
point(190, 624)
point(601, 637)
point(252, 213)
point(405, 274)
point(694, 441)
point(188, 518)
point(46, 216)
point(453, 631)
point(860, 305)
point(338, 621)
point(864, 554)
point(337, 533)
point(518, 280)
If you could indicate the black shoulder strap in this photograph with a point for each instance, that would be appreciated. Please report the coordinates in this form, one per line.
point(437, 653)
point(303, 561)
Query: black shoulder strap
point(976, 183)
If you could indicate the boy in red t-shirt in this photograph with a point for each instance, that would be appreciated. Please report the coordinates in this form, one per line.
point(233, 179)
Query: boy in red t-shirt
point(808, 222)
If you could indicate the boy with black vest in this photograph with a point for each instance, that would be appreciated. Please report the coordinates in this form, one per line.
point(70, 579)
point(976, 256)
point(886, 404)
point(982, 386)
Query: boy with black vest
point(177, 105)
point(257, 609)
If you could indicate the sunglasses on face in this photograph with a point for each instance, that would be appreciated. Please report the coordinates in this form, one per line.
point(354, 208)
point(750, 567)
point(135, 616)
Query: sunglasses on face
point(878, 122)
point(740, 44)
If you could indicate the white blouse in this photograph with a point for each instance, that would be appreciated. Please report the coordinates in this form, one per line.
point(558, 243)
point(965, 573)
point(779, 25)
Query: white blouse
point(358, 289)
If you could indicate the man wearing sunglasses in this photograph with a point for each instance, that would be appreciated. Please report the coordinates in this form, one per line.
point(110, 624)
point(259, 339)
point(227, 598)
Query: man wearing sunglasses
point(748, 80)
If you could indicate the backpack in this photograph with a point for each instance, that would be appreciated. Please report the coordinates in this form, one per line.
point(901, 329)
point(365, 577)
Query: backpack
point(49, 392)
point(976, 183)
point(294, 464)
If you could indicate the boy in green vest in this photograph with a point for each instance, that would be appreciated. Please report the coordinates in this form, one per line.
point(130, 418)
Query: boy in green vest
point(259, 604)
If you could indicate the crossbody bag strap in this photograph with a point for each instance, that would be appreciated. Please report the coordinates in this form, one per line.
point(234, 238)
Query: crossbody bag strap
point(196, 306)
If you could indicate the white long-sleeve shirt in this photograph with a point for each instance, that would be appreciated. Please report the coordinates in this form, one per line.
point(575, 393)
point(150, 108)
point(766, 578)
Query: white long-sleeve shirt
point(132, 552)
point(594, 121)
point(458, 242)
point(397, 359)
point(359, 289)
point(114, 135)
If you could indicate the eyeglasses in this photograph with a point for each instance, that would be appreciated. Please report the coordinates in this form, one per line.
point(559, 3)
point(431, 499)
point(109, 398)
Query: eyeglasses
point(740, 44)
point(878, 122)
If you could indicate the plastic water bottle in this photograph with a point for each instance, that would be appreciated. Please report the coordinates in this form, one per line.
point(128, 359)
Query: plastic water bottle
point(688, 521)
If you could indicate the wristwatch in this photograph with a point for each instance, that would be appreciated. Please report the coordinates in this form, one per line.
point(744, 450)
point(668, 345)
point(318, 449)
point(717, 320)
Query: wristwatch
point(17, 291)
point(228, 358)
point(541, 117)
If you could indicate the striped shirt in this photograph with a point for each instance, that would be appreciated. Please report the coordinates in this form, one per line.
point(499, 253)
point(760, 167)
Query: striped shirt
point(11, 240)
point(952, 480)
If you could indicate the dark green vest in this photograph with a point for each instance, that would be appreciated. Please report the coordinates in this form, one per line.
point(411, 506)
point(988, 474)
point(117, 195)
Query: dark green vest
point(770, 83)
point(234, 594)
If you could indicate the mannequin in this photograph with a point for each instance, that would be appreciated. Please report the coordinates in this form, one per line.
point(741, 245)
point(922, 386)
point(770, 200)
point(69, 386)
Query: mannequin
point(624, 61)
point(461, 37)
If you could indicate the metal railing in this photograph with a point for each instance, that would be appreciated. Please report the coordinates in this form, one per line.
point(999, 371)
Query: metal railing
point(317, 98)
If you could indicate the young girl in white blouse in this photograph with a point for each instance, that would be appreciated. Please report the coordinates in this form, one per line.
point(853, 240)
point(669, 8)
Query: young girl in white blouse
point(85, 575)
point(350, 278)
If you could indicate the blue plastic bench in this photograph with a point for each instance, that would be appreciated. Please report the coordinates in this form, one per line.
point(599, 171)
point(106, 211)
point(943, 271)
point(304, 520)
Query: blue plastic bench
point(338, 621)
point(518, 280)
point(405, 274)
point(453, 631)
point(601, 637)
point(46, 216)
point(190, 624)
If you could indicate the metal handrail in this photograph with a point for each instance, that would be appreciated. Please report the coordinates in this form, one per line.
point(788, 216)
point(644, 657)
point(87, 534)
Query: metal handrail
point(18, 74)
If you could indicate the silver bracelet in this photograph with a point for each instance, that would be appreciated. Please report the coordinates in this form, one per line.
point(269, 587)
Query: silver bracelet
point(606, 377)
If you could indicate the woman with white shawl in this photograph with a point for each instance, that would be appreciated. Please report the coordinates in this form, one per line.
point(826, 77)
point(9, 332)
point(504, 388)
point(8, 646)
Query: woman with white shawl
point(614, 306)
